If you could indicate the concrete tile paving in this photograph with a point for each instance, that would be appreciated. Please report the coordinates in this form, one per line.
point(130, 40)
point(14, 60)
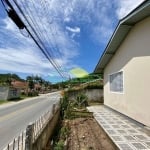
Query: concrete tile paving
point(126, 133)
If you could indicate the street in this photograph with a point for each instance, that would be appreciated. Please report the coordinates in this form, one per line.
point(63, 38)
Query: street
point(15, 117)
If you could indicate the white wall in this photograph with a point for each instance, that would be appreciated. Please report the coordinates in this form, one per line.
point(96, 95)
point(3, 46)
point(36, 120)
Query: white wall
point(4, 93)
point(133, 58)
point(9, 93)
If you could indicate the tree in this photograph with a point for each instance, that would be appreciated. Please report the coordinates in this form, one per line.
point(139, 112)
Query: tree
point(5, 79)
point(30, 82)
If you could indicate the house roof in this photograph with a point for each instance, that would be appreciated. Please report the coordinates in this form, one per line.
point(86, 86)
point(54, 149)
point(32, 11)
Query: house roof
point(120, 33)
point(19, 84)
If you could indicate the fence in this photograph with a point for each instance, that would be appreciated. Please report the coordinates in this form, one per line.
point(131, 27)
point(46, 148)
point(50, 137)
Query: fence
point(18, 143)
point(39, 125)
point(26, 139)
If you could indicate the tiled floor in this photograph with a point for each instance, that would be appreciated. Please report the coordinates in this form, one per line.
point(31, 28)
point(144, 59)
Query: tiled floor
point(124, 132)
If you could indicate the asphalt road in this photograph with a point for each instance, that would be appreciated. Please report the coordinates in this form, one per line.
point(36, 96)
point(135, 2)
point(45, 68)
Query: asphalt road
point(15, 117)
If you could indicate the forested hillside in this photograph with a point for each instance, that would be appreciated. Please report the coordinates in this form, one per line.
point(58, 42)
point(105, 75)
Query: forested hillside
point(5, 79)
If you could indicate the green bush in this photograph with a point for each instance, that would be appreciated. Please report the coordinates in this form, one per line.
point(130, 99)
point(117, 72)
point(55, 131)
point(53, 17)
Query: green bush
point(33, 93)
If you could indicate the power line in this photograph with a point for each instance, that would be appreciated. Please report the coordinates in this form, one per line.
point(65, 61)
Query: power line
point(47, 12)
point(41, 45)
point(52, 48)
point(45, 34)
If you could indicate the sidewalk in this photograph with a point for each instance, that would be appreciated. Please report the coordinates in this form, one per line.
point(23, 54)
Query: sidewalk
point(126, 133)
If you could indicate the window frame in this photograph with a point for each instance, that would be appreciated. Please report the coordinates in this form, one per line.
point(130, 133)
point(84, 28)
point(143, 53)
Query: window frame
point(118, 92)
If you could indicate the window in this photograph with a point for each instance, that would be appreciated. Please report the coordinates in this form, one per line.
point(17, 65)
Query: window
point(116, 82)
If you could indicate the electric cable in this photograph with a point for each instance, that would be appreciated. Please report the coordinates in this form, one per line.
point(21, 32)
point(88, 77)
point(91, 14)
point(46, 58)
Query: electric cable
point(45, 35)
point(44, 51)
point(37, 36)
point(42, 34)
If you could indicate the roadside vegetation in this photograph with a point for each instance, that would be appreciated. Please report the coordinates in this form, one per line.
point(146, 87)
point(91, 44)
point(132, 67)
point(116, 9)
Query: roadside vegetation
point(77, 128)
point(24, 88)
point(70, 110)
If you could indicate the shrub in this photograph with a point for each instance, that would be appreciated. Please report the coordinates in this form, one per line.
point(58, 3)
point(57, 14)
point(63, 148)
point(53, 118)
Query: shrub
point(81, 101)
point(33, 93)
point(64, 104)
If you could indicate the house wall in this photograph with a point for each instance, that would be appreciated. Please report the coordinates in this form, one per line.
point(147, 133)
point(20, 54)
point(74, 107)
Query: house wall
point(133, 58)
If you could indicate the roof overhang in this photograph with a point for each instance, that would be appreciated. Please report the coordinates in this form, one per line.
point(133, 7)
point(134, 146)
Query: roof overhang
point(120, 33)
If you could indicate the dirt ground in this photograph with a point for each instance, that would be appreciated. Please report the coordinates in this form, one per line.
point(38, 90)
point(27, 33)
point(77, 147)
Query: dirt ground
point(86, 134)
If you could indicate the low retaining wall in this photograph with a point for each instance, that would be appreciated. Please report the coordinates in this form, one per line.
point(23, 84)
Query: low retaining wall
point(42, 140)
point(92, 94)
point(4, 93)
point(39, 141)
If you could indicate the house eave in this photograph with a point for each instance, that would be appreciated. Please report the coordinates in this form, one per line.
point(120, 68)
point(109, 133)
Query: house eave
point(120, 33)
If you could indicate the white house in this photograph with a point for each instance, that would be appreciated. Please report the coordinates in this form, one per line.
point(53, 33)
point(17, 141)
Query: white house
point(125, 64)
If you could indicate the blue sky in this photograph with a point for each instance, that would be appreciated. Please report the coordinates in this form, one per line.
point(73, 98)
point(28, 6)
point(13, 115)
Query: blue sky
point(75, 32)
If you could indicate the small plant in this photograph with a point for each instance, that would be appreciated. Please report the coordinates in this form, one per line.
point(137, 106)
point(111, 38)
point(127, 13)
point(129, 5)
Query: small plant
point(59, 145)
point(61, 137)
point(64, 133)
point(81, 101)
point(64, 105)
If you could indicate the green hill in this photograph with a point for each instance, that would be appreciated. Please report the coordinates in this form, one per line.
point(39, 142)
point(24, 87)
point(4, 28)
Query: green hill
point(5, 79)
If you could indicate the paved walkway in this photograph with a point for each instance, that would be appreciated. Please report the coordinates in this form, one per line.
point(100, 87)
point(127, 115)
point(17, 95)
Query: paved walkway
point(124, 132)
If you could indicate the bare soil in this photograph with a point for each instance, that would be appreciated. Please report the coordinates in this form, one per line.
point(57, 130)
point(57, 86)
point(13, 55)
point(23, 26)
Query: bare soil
point(86, 134)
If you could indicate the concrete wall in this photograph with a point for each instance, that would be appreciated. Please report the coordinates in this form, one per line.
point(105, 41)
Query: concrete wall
point(133, 58)
point(9, 93)
point(46, 135)
point(4, 93)
point(92, 94)
point(13, 93)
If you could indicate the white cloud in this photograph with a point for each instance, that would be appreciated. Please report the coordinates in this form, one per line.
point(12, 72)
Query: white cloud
point(126, 6)
point(105, 15)
point(51, 19)
point(23, 61)
point(75, 29)
point(19, 53)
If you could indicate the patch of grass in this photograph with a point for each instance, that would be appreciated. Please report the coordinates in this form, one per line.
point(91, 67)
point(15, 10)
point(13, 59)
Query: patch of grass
point(15, 99)
point(22, 97)
point(3, 102)
point(26, 96)
point(59, 145)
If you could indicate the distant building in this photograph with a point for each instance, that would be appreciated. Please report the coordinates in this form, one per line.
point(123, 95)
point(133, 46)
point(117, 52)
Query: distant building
point(7, 93)
point(126, 66)
point(37, 87)
point(22, 86)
